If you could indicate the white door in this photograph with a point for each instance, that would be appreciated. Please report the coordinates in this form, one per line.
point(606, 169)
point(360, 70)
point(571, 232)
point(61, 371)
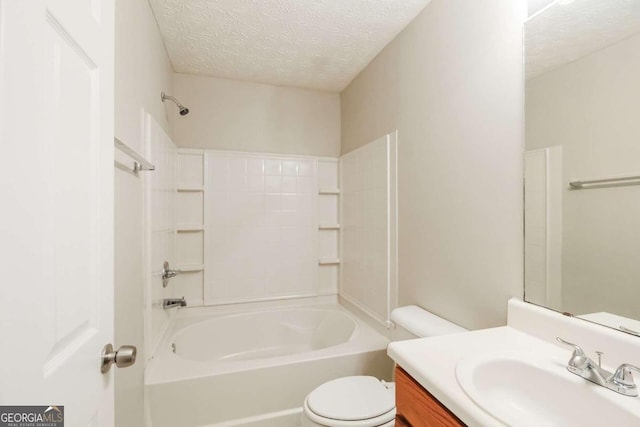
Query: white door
point(56, 205)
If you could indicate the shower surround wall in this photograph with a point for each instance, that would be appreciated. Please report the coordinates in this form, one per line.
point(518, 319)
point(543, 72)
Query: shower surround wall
point(261, 216)
point(254, 226)
point(189, 228)
point(368, 214)
point(160, 190)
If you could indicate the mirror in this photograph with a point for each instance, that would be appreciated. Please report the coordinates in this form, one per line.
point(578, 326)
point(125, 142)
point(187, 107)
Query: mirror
point(582, 160)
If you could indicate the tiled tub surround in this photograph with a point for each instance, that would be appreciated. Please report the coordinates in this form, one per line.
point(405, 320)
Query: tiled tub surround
point(261, 219)
point(160, 192)
point(236, 380)
point(368, 234)
point(190, 234)
point(253, 227)
point(256, 227)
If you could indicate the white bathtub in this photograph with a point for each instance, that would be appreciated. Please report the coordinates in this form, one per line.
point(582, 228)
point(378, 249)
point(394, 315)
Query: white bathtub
point(264, 334)
point(253, 364)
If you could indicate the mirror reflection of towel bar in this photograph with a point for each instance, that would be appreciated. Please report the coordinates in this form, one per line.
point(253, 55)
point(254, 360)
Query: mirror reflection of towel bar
point(628, 179)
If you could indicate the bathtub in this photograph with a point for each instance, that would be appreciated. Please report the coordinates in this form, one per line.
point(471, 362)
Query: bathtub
point(253, 364)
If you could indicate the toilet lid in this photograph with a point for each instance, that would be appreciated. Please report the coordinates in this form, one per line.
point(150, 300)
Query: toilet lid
point(351, 399)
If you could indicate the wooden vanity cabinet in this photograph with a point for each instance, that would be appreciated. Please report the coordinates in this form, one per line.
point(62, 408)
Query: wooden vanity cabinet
point(416, 407)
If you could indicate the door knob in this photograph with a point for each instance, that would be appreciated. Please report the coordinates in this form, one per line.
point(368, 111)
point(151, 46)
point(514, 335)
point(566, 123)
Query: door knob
point(122, 357)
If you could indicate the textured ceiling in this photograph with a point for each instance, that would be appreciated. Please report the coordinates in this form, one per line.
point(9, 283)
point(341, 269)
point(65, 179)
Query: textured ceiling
point(569, 30)
point(317, 44)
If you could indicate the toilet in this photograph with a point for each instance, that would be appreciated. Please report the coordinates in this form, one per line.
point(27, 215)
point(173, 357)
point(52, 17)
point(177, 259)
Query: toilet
point(364, 401)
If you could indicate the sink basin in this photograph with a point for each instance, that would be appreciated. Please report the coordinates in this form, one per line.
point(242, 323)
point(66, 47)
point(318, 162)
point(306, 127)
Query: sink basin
point(526, 392)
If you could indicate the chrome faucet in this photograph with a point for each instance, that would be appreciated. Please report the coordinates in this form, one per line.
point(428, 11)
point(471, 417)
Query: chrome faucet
point(173, 302)
point(621, 381)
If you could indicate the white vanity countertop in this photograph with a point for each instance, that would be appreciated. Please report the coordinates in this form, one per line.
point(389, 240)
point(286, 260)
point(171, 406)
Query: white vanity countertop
point(530, 337)
point(432, 362)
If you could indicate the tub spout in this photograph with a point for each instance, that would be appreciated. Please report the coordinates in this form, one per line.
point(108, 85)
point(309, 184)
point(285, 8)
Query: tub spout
point(173, 302)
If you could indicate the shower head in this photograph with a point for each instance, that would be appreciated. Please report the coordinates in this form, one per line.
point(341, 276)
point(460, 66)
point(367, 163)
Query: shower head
point(183, 110)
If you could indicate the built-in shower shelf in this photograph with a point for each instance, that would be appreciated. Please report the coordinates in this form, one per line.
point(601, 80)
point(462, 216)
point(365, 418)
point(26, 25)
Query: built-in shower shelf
point(191, 189)
point(191, 268)
point(329, 191)
point(329, 227)
point(189, 228)
point(329, 261)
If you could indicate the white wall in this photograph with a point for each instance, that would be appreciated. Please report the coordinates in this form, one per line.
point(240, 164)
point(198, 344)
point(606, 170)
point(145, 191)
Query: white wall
point(451, 84)
point(142, 71)
point(241, 116)
point(590, 107)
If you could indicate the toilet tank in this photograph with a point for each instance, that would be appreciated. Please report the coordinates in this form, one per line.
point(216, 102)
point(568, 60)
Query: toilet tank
point(412, 322)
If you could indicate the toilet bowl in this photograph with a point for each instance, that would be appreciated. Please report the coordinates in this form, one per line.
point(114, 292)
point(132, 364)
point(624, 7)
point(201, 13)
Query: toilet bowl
point(364, 401)
point(359, 401)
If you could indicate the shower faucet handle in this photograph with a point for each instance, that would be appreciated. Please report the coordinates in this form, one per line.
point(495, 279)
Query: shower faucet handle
point(168, 273)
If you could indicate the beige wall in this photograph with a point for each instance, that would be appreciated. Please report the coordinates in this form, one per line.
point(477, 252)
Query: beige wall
point(590, 108)
point(451, 83)
point(142, 71)
point(241, 116)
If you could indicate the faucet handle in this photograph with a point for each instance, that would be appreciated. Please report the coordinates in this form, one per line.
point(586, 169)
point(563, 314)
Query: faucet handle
point(623, 376)
point(578, 358)
point(577, 350)
point(168, 273)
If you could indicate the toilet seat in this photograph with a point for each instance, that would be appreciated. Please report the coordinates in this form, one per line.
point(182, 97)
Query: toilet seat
point(357, 401)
